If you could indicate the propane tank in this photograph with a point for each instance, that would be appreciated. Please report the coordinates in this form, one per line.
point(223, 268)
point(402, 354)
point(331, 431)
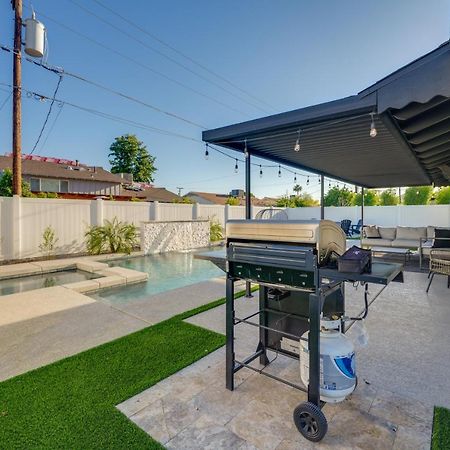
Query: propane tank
point(34, 37)
point(337, 362)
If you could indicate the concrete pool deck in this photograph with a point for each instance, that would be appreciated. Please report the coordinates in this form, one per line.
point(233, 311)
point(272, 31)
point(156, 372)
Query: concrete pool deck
point(402, 375)
point(41, 326)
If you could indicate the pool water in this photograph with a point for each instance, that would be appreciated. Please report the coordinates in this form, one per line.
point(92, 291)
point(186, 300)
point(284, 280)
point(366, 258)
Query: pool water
point(27, 283)
point(166, 271)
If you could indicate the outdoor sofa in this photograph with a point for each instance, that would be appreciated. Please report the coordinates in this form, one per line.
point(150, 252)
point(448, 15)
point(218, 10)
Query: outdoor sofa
point(417, 238)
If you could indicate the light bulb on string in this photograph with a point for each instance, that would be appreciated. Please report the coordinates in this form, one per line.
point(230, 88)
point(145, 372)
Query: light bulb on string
point(236, 168)
point(307, 181)
point(260, 171)
point(329, 185)
point(373, 130)
point(295, 178)
point(279, 171)
point(206, 152)
point(297, 142)
point(320, 180)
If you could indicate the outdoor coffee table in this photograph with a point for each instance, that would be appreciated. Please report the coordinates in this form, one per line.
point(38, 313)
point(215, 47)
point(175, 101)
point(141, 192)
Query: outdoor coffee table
point(405, 252)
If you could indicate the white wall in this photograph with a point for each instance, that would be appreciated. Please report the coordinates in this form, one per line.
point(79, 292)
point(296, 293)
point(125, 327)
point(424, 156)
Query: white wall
point(23, 220)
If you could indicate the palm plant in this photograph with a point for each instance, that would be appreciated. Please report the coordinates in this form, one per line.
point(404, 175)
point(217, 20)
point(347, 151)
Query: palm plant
point(114, 235)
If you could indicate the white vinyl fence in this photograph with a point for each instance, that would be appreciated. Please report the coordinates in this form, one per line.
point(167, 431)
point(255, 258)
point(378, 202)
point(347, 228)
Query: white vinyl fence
point(23, 220)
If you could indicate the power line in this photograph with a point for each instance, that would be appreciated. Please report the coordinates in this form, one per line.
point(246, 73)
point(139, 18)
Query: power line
point(5, 101)
point(59, 71)
point(52, 126)
point(193, 61)
point(174, 61)
point(140, 64)
point(48, 114)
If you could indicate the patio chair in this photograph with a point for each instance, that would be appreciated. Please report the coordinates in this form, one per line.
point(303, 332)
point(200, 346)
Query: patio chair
point(356, 229)
point(439, 263)
point(346, 225)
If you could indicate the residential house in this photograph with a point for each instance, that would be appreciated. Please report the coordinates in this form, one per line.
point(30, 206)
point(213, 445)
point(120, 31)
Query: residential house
point(210, 198)
point(70, 179)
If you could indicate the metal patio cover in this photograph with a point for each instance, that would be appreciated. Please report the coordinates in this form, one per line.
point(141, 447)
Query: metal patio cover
point(411, 109)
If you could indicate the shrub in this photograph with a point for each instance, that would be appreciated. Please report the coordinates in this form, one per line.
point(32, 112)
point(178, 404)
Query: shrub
point(115, 236)
point(338, 197)
point(443, 196)
point(49, 241)
point(388, 198)
point(370, 198)
point(6, 185)
point(215, 230)
point(419, 195)
point(233, 201)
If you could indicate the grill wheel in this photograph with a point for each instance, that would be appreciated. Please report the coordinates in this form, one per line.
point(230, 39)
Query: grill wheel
point(310, 421)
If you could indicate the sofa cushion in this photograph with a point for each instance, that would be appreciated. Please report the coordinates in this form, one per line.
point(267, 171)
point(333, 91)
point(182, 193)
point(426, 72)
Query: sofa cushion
point(376, 242)
point(371, 232)
point(441, 233)
point(430, 232)
point(405, 243)
point(411, 232)
point(387, 233)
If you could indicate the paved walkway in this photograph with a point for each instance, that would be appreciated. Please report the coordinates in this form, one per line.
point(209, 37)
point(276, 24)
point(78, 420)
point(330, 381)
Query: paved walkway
point(402, 375)
point(42, 326)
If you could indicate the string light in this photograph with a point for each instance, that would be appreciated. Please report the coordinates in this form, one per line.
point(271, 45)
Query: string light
point(236, 168)
point(373, 130)
point(297, 142)
point(295, 178)
point(206, 152)
point(279, 171)
point(307, 181)
point(260, 171)
point(329, 185)
point(320, 180)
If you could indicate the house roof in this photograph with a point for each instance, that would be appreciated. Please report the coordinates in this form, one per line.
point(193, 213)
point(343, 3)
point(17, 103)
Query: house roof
point(61, 171)
point(221, 199)
point(411, 111)
point(152, 194)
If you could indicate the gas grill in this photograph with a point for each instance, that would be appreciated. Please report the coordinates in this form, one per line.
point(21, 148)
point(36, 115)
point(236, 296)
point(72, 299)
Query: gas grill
point(292, 262)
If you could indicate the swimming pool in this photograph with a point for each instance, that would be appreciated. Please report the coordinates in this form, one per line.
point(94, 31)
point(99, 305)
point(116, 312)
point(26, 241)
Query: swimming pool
point(29, 282)
point(166, 271)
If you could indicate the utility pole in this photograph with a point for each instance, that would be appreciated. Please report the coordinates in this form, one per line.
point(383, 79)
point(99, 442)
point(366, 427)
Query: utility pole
point(17, 94)
point(179, 191)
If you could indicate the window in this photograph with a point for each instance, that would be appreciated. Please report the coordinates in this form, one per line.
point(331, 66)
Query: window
point(35, 184)
point(48, 185)
point(63, 186)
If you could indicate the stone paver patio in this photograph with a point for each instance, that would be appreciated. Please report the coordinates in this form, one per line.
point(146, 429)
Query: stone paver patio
point(401, 374)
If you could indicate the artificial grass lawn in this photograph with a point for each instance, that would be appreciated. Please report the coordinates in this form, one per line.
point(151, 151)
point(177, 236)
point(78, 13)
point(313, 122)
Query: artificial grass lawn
point(70, 404)
point(440, 439)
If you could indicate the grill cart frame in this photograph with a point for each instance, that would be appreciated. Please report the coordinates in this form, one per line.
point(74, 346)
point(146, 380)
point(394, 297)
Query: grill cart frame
point(328, 285)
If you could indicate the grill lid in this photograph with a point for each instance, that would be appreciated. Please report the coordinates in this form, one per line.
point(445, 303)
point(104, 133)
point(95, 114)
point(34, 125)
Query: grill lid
point(324, 235)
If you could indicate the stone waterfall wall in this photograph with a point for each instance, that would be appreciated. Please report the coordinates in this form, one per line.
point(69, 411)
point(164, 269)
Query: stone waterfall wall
point(165, 236)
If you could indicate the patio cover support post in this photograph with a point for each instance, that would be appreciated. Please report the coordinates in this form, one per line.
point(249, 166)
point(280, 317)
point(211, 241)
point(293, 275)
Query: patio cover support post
point(248, 209)
point(362, 216)
point(322, 195)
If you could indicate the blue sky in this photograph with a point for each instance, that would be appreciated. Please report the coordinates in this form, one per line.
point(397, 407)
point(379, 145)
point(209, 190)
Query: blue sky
point(287, 53)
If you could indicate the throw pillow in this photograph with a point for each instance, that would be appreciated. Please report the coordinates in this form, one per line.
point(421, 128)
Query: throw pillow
point(371, 232)
point(441, 233)
point(387, 233)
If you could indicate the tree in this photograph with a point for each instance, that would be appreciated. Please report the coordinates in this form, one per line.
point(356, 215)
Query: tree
point(296, 201)
point(338, 197)
point(370, 198)
point(129, 155)
point(184, 199)
point(419, 195)
point(297, 189)
point(6, 181)
point(388, 198)
point(443, 196)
